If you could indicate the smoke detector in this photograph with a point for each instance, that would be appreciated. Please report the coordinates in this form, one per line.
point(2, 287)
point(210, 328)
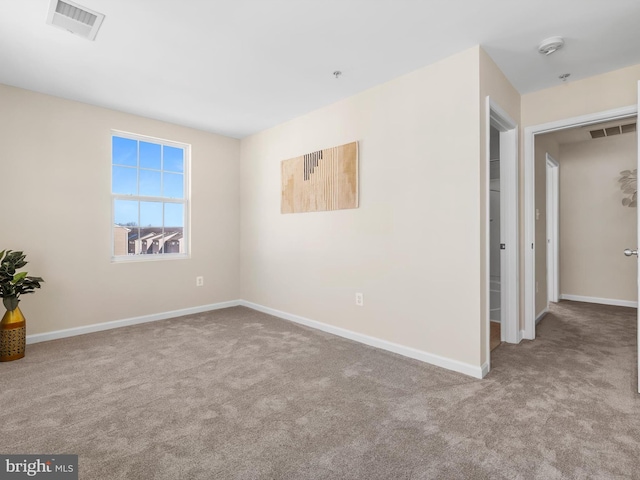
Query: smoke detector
point(74, 18)
point(550, 45)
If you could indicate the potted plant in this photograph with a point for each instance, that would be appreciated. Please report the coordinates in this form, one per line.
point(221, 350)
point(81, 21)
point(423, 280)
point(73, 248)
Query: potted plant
point(12, 285)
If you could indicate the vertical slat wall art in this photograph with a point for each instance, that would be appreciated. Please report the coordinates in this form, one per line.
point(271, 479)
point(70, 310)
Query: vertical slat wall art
point(322, 180)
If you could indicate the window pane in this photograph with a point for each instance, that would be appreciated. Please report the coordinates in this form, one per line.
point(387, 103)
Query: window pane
point(173, 216)
point(124, 151)
point(173, 159)
point(151, 215)
point(173, 242)
point(126, 213)
point(173, 228)
point(150, 183)
point(173, 185)
point(124, 180)
point(149, 155)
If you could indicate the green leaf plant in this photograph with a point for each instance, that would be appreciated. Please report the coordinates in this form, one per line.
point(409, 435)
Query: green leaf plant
point(13, 283)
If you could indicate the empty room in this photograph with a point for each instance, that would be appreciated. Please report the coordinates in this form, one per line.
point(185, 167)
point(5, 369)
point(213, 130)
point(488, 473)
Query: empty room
point(309, 239)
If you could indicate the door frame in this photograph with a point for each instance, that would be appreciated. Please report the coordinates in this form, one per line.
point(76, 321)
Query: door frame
point(510, 271)
point(529, 198)
point(553, 230)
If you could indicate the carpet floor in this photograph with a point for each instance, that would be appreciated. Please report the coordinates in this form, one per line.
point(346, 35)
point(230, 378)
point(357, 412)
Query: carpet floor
point(237, 394)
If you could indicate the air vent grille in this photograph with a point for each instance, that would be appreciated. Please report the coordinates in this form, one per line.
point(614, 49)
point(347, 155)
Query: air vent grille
point(76, 13)
point(610, 131)
point(74, 18)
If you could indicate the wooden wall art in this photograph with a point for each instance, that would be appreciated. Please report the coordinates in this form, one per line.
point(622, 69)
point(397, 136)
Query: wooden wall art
point(322, 180)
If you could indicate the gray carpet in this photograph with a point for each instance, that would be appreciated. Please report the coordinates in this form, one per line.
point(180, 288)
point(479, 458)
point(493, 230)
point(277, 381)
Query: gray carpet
point(237, 394)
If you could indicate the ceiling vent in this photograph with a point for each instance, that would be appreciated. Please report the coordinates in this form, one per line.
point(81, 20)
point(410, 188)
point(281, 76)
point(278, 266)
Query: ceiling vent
point(74, 18)
point(610, 131)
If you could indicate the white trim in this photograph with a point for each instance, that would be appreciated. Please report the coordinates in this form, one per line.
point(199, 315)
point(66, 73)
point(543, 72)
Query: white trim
point(541, 315)
point(98, 327)
point(602, 301)
point(151, 257)
point(510, 277)
point(529, 198)
point(636, 246)
point(437, 360)
point(553, 228)
point(487, 233)
point(486, 368)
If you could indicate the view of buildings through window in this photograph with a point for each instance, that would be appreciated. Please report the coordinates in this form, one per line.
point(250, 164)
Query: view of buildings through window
point(148, 194)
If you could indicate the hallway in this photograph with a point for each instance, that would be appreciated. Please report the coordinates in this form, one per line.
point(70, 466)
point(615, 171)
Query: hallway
point(578, 345)
point(577, 385)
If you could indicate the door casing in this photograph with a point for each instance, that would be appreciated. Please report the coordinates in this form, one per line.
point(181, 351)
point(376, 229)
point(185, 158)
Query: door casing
point(553, 230)
point(509, 269)
point(529, 198)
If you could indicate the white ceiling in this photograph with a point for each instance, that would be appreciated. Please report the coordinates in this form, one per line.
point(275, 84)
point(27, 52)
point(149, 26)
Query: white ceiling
point(236, 67)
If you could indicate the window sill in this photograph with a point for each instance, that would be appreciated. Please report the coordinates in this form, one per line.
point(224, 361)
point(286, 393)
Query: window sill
point(150, 258)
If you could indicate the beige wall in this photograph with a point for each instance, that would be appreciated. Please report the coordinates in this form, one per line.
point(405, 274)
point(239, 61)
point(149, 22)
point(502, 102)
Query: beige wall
point(410, 246)
point(494, 84)
point(594, 226)
point(55, 164)
point(594, 94)
point(543, 144)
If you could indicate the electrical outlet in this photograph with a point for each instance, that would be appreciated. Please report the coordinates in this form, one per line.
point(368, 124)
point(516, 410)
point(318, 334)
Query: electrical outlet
point(199, 281)
point(359, 299)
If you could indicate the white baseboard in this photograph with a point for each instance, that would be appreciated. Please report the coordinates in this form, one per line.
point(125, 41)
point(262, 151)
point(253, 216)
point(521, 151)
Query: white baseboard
point(541, 315)
point(437, 360)
point(98, 327)
point(603, 301)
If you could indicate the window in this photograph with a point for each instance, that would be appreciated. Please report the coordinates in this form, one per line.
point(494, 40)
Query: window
point(149, 195)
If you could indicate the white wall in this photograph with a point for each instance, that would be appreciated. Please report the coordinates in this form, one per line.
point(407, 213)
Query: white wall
point(55, 205)
point(407, 246)
point(594, 226)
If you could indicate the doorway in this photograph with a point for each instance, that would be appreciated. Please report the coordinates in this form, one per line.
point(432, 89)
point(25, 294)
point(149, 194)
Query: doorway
point(501, 254)
point(532, 213)
point(495, 235)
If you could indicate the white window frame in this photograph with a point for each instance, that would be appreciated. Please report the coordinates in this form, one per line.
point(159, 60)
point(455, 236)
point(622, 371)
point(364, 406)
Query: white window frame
point(186, 201)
